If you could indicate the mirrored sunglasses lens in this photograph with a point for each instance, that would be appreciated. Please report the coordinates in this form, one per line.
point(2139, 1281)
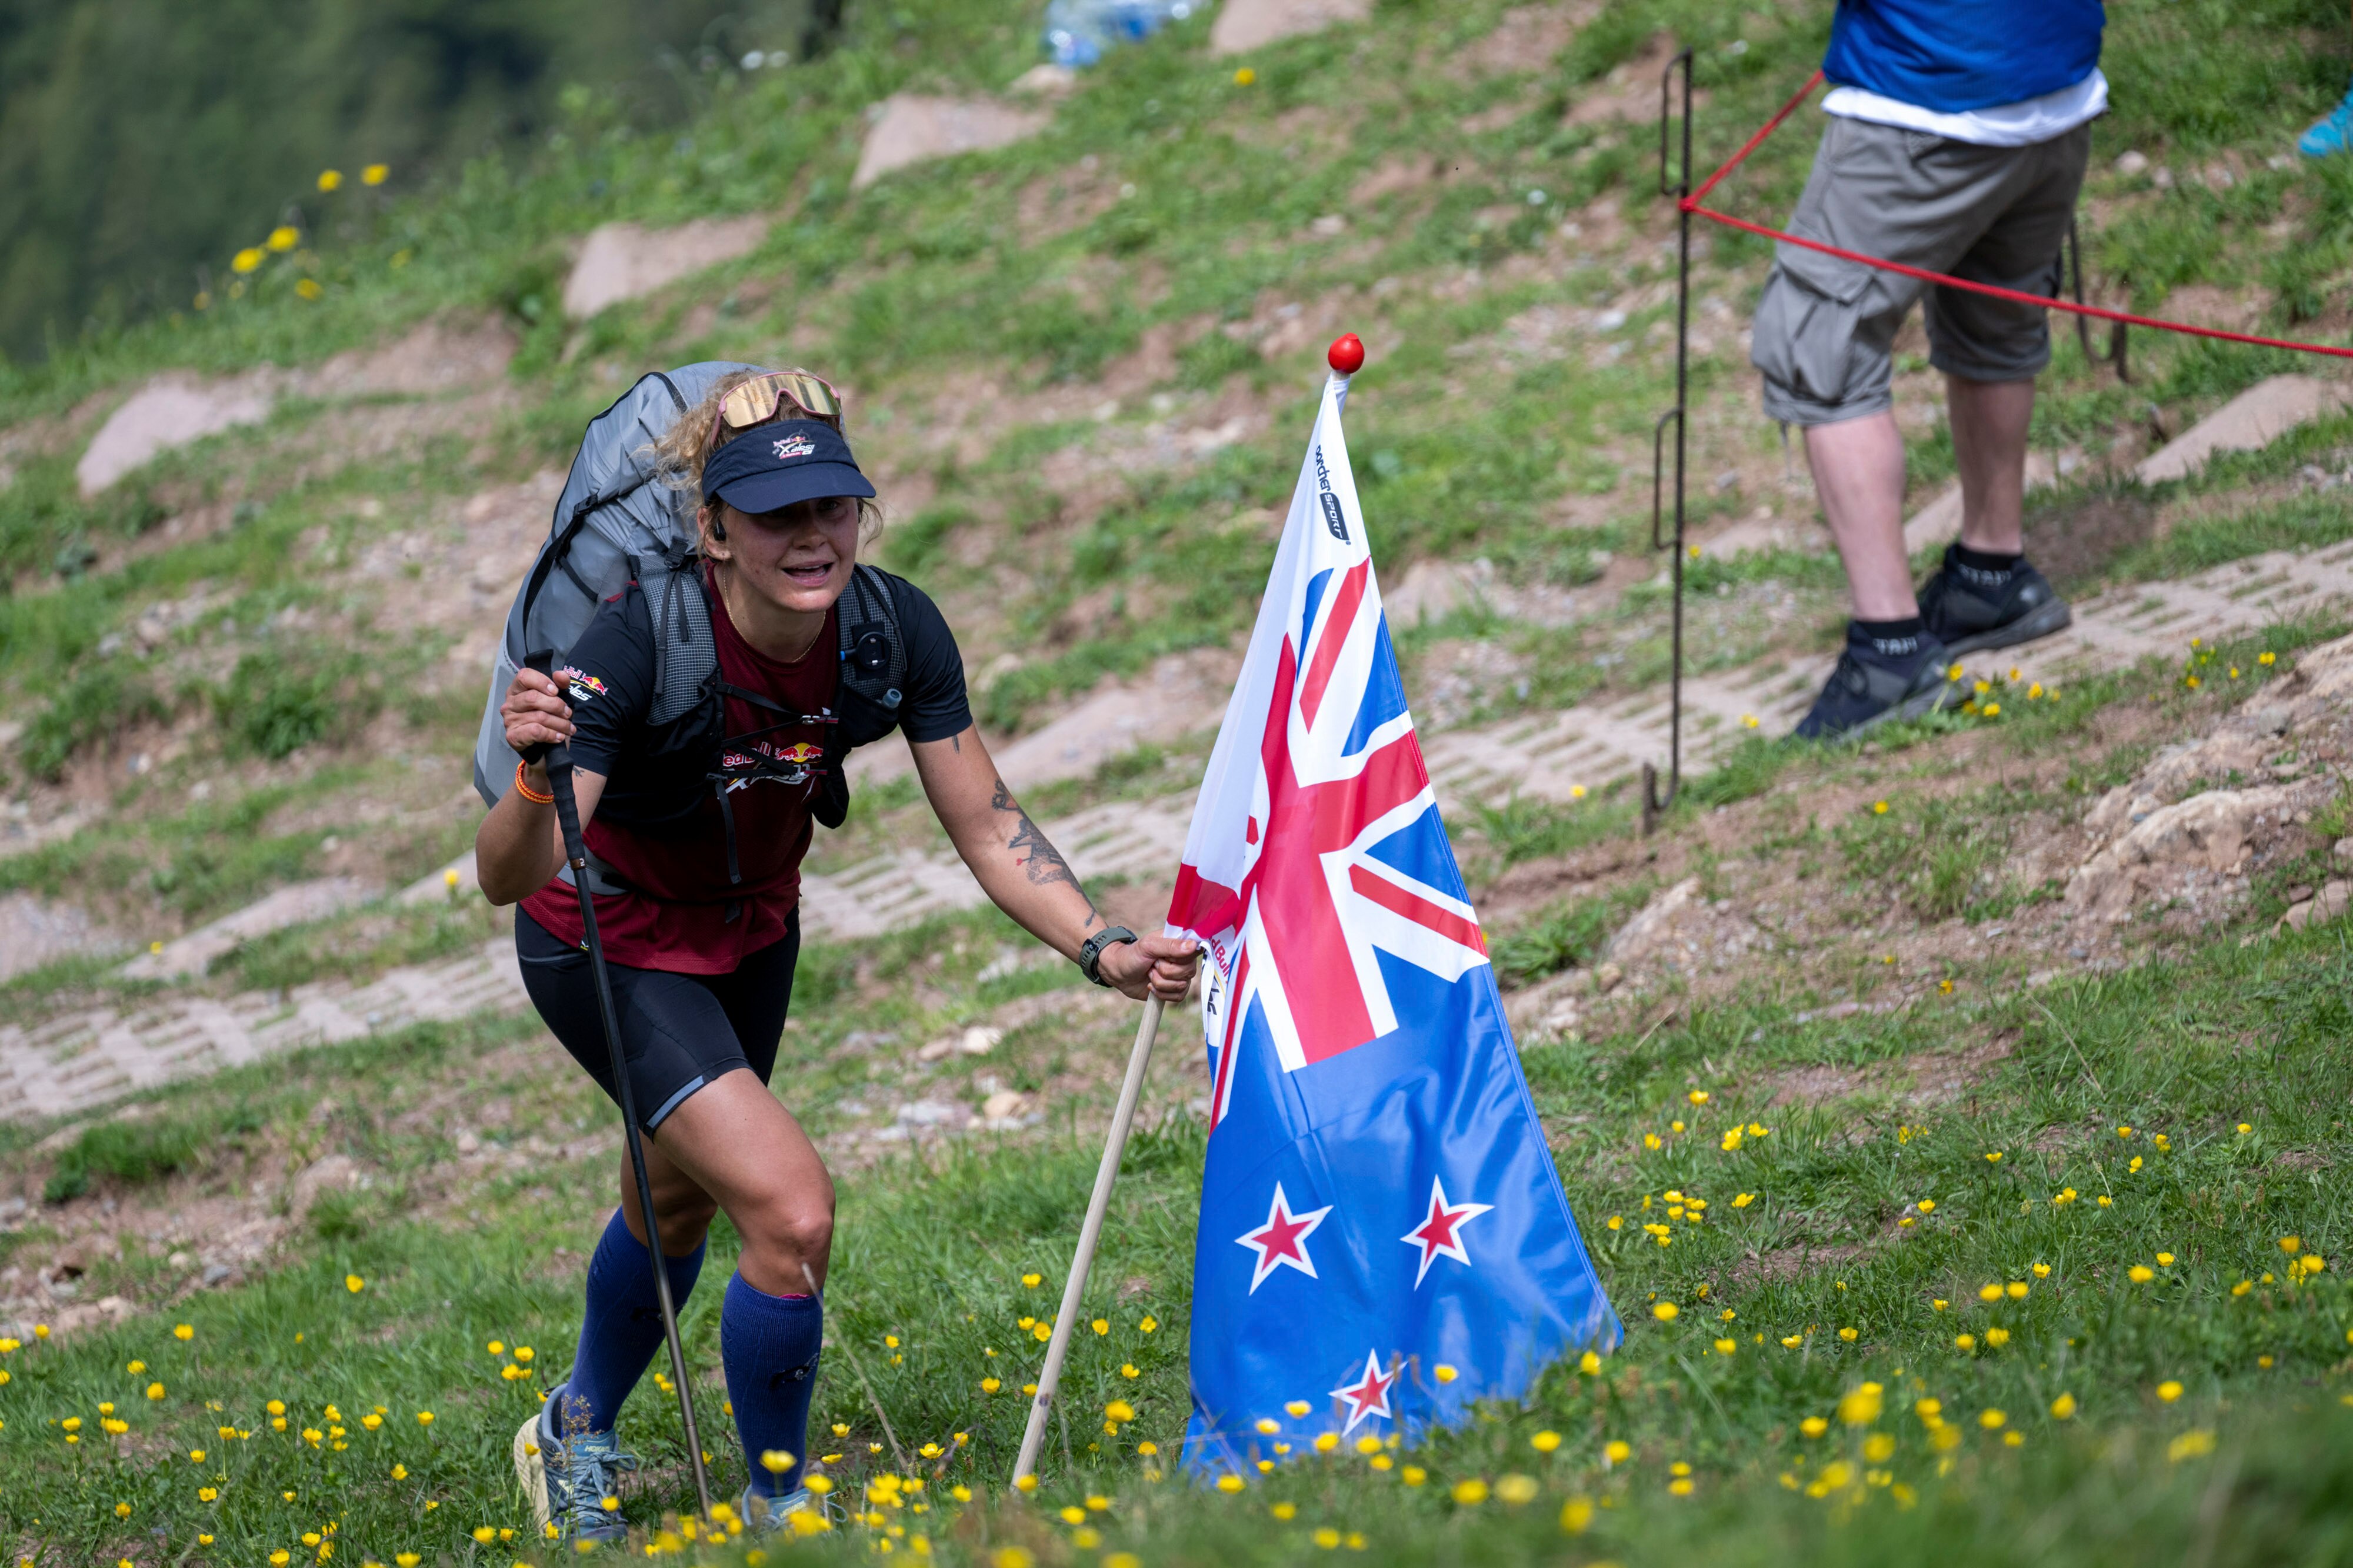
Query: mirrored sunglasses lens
point(750, 403)
point(813, 395)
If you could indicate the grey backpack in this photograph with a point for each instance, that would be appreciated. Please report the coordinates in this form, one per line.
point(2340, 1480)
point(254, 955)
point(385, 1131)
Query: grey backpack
point(620, 520)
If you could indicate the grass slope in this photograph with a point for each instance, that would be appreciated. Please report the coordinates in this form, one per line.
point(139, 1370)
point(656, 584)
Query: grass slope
point(1848, 1232)
point(2089, 1292)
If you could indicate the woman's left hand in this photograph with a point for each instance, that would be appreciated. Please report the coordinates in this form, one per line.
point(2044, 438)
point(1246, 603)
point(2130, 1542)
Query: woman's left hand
point(1158, 967)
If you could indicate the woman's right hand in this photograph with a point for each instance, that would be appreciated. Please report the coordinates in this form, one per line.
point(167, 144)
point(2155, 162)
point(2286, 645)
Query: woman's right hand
point(535, 712)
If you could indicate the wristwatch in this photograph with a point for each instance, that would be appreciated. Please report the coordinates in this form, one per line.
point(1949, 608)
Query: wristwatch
point(1090, 950)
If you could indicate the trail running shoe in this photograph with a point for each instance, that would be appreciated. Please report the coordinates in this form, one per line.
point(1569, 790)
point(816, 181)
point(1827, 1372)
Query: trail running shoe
point(767, 1515)
point(1862, 692)
point(569, 1480)
point(1969, 610)
point(2329, 135)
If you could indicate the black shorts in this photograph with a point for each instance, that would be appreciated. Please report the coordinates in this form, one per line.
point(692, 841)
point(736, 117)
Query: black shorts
point(678, 1031)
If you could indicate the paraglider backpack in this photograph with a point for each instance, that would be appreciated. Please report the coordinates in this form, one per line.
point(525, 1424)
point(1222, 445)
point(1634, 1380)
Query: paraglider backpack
point(620, 528)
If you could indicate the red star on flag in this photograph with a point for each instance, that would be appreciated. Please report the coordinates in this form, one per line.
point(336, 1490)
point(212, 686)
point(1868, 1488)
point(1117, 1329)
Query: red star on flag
point(1440, 1236)
point(1370, 1394)
point(1281, 1241)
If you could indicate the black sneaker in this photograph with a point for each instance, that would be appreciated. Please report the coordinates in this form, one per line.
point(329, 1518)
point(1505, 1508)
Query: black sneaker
point(1863, 690)
point(1968, 609)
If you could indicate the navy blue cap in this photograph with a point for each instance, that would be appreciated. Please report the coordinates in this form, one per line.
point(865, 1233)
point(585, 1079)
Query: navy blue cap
point(770, 467)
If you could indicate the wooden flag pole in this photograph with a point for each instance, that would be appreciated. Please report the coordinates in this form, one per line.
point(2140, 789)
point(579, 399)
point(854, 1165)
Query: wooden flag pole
point(1050, 1376)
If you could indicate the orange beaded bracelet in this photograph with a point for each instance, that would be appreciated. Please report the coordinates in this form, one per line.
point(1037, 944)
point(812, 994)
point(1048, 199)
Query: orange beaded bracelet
point(523, 788)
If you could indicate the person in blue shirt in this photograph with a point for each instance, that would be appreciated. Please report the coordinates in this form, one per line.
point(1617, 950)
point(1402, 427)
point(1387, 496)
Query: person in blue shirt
point(2332, 134)
point(1958, 139)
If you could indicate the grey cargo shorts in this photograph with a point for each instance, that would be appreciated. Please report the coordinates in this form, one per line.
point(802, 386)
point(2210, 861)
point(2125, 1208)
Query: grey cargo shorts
point(1992, 214)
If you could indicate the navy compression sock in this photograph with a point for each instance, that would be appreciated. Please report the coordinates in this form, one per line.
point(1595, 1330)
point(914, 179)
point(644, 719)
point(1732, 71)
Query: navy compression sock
point(1897, 645)
point(770, 1346)
point(623, 1326)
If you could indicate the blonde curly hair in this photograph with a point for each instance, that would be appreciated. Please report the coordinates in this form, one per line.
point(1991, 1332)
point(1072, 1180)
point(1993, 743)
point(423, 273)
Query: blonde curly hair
point(683, 451)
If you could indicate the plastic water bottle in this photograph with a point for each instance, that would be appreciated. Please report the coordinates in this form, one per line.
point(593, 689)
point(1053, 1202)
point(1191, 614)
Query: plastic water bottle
point(1079, 31)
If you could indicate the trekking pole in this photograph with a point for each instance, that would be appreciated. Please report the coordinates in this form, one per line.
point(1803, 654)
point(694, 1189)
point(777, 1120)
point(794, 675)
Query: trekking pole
point(557, 759)
point(1655, 805)
point(1050, 1376)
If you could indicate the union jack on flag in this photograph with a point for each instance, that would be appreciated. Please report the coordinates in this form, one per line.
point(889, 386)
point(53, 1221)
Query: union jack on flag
point(1379, 1199)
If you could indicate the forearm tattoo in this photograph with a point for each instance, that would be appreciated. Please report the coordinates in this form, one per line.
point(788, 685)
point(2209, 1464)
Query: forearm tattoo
point(1033, 853)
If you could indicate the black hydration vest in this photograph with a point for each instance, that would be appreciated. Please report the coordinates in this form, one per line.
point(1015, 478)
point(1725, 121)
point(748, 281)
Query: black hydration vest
point(685, 752)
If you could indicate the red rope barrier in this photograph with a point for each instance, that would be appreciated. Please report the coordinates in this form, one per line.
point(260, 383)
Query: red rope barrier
point(1691, 204)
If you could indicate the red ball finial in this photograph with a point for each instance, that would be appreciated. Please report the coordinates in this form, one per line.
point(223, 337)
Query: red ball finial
point(1347, 354)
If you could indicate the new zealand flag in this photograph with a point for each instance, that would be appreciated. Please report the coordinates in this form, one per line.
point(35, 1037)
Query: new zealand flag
point(1379, 1202)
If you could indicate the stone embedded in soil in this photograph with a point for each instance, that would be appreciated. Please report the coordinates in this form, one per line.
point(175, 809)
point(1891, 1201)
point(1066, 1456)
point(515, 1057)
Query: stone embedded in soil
point(934, 1113)
point(1245, 25)
point(912, 128)
point(333, 1174)
point(2163, 833)
point(2253, 419)
point(626, 260)
point(2207, 832)
point(33, 932)
point(293, 905)
point(1546, 1011)
point(1432, 590)
point(1046, 79)
point(2327, 905)
point(170, 411)
point(1654, 926)
point(1184, 694)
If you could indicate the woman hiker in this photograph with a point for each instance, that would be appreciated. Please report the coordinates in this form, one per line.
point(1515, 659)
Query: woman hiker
point(701, 921)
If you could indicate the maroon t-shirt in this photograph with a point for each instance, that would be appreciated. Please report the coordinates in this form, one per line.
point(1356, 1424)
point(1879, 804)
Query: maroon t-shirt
point(683, 915)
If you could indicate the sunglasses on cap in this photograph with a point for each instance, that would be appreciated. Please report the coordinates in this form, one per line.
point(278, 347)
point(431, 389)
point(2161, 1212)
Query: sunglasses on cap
point(796, 391)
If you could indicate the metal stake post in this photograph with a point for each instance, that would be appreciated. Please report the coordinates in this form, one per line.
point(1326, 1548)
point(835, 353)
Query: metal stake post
point(1654, 804)
point(2115, 355)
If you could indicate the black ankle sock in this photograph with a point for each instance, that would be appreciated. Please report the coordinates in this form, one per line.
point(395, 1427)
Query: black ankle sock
point(1992, 566)
point(1900, 643)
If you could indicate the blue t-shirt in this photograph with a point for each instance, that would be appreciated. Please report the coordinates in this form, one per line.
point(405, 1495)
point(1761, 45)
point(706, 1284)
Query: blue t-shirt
point(1953, 56)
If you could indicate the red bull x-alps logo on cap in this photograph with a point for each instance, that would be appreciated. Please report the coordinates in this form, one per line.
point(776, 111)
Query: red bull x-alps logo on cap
point(795, 446)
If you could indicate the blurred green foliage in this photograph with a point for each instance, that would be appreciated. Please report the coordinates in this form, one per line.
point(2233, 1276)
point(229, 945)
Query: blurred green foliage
point(141, 143)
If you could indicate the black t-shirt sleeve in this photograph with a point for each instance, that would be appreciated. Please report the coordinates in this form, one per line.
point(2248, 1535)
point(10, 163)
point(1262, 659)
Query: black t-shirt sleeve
point(934, 707)
point(609, 679)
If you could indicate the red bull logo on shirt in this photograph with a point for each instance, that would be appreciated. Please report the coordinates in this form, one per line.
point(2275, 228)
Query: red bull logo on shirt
point(788, 764)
